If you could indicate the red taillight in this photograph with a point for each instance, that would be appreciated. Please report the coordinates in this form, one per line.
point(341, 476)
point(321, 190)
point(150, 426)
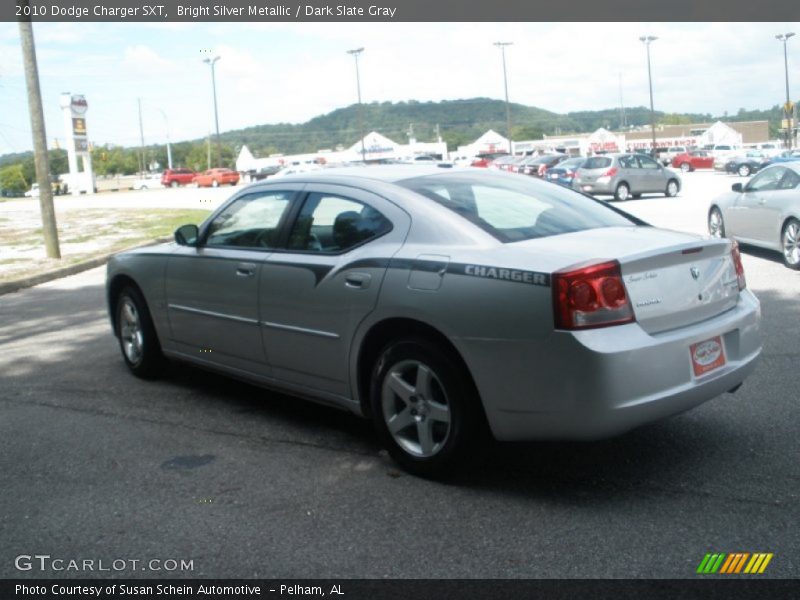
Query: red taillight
point(611, 172)
point(569, 174)
point(737, 263)
point(542, 170)
point(592, 296)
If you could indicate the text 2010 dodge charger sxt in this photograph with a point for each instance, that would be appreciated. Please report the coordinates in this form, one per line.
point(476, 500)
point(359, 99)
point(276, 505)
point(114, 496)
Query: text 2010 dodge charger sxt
point(437, 301)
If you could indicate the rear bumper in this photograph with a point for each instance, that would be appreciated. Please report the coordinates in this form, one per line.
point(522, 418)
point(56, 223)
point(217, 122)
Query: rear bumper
point(594, 188)
point(597, 383)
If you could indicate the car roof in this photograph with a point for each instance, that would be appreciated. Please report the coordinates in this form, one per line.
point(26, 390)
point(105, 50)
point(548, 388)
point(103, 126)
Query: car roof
point(386, 173)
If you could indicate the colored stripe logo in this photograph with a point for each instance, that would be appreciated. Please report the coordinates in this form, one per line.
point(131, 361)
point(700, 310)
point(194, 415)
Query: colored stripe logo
point(734, 563)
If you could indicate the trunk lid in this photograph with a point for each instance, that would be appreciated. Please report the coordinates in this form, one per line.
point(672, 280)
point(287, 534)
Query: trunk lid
point(672, 279)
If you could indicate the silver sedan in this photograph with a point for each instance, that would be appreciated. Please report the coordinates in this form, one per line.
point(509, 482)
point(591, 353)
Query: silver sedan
point(442, 303)
point(764, 212)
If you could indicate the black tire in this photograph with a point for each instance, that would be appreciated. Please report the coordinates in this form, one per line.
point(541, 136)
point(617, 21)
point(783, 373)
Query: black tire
point(744, 170)
point(673, 187)
point(174, 184)
point(148, 361)
point(716, 224)
point(622, 192)
point(686, 167)
point(214, 183)
point(450, 387)
point(790, 242)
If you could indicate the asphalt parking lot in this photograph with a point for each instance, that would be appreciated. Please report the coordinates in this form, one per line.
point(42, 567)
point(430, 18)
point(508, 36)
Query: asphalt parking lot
point(95, 464)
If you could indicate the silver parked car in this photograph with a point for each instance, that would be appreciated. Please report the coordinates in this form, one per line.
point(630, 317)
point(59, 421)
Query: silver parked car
point(441, 301)
point(763, 212)
point(625, 175)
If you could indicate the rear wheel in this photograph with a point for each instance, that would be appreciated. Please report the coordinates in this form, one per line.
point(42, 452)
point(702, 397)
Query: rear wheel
point(424, 406)
point(214, 183)
point(686, 167)
point(716, 226)
point(672, 189)
point(743, 170)
point(137, 335)
point(622, 192)
point(790, 241)
point(173, 184)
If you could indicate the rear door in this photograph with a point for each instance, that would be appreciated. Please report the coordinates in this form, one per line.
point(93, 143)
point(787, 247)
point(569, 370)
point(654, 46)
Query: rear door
point(651, 174)
point(314, 292)
point(629, 171)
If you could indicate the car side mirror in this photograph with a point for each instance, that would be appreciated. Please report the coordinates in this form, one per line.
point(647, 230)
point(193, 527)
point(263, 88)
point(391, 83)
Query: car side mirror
point(186, 235)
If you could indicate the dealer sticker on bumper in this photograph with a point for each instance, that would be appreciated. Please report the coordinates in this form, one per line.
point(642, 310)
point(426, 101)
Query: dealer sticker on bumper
point(707, 356)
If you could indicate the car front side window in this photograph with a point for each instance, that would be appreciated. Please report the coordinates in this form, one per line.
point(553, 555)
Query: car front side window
point(766, 180)
point(251, 221)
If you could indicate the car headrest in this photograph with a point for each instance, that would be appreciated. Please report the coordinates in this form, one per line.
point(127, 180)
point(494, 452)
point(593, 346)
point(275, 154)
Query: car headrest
point(346, 231)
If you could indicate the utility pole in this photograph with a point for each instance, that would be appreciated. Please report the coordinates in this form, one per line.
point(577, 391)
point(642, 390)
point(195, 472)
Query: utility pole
point(502, 46)
point(355, 53)
point(787, 108)
point(169, 148)
point(41, 159)
point(212, 62)
point(646, 40)
point(142, 161)
point(208, 150)
point(623, 124)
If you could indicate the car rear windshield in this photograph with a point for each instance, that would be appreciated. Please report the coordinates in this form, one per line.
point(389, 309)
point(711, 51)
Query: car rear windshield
point(597, 162)
point(513, 208)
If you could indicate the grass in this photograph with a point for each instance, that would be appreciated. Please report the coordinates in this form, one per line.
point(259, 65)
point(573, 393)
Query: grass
point(111, 230)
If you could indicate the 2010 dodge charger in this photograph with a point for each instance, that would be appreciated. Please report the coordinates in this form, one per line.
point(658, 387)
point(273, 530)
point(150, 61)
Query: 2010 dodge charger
point(440, 301)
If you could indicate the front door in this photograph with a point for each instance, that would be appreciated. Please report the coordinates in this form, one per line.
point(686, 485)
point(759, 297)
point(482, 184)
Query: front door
point(212, 289)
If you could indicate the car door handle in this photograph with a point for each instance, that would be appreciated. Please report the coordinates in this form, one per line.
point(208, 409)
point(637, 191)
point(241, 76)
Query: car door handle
point(357, 280)
point(245, 269)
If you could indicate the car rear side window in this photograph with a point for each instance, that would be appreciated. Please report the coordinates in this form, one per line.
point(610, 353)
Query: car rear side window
point(597, 162)
point(515, 208)
point(331, 224)
point(251, 221)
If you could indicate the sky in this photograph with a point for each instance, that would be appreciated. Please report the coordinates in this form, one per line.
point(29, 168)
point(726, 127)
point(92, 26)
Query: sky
point(291, 72)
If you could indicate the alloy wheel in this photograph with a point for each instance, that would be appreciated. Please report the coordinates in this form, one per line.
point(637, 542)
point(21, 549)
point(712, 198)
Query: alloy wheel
point(791, 244)
point(130, 331)
point(415, 408)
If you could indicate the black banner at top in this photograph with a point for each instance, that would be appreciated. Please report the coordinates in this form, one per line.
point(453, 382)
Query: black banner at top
point(397, 10)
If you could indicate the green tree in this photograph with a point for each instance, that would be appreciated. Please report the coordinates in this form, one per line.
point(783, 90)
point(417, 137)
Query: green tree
point(13, 178)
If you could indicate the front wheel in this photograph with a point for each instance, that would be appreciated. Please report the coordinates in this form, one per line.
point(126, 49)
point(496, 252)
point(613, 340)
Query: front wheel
point(790, 241)
point(424, 406)
point(716, 226)
point(137, 335)
point(173, 184)
point(672, 189)
point(743, 170)
point(214, 183)
point(622, 192)
point(686, 167)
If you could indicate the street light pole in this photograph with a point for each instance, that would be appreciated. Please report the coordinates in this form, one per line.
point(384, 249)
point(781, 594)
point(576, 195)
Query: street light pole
point(169, 149)
point(646, 40)
point(502, 46)
point(787, 108)
point(212, 62)
point(355, 53)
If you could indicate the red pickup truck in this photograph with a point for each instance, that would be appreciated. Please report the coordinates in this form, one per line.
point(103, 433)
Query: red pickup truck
point(176, 177)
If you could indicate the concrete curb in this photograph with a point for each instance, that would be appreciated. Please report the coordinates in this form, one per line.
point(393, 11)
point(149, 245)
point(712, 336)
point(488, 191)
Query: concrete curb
point(26, 282)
